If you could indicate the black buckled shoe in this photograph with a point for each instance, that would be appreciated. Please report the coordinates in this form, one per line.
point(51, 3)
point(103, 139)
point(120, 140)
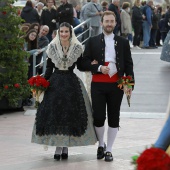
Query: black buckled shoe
point(57, 157)
point(108, 157)
point(100, 152)
point(64, 155)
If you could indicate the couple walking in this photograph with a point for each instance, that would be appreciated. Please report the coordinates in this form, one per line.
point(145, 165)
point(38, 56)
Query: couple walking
point(65, 117)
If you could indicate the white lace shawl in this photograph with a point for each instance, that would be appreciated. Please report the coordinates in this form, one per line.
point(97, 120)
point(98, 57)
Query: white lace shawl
point(55, 52)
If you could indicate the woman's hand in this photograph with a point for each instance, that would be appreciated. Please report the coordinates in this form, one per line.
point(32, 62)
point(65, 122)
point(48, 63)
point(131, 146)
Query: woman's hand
point(94, 62)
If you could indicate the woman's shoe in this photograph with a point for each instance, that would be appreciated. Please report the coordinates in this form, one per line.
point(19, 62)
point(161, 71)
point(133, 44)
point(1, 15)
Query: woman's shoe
point(64, 156)
point(57, 157)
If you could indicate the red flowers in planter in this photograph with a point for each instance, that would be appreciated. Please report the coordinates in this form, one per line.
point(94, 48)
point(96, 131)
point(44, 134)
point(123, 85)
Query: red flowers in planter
point(4, 12)
point(16, 85)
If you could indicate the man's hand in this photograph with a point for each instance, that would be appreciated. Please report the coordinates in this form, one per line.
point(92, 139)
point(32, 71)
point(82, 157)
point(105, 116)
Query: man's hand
point(105, 69)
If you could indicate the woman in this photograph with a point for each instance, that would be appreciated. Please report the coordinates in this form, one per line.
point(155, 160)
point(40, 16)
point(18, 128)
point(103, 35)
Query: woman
point(35, 26)
point(64, 117)
point(48, 17)
point(29, 14)
point(126, 25)
point(165, 54)
point(137, 19)
point(31, 47)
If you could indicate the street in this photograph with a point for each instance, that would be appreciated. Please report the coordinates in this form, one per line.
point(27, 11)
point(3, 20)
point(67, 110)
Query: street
point(140, 125)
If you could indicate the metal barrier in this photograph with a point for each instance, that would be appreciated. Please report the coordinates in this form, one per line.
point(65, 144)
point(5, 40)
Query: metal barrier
point(43, 50)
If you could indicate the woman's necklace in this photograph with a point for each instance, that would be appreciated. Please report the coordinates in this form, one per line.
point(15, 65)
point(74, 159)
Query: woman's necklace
point(65, 59)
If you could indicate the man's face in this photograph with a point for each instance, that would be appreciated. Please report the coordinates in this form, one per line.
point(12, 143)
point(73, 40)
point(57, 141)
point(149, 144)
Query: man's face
point(63, 1)
point(95, 1)
point(50, 3)
point(116, 3)
point(44, 31)
point(108, 24)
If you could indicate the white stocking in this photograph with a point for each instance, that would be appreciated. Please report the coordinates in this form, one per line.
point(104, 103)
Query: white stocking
point(100, 135)
point(111, 135)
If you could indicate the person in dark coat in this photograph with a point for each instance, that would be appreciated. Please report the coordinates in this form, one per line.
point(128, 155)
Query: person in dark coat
point(114, 8)
point(29, 14)
point(65, 12)
point(48, 17)
point(108, 57)
point(137, 20)
point(152, 41)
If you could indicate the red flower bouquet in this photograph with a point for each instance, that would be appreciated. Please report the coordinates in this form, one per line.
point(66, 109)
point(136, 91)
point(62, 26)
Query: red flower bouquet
point(38, 85)
point(152, 159)
point(125, 83)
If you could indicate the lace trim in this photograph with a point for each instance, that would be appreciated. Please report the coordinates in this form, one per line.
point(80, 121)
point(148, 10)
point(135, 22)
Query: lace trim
point(57, 56)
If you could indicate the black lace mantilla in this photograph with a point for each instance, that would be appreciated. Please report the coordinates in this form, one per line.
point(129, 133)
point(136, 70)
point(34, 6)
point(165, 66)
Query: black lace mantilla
point(63, 109)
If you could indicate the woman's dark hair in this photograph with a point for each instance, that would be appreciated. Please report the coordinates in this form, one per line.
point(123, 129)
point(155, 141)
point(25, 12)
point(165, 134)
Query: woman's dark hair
point(31, 44)
point(29, 3)
point(66, 24)
point(33, 25)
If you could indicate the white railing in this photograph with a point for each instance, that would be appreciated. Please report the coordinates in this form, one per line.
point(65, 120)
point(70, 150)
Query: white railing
point(43, 62)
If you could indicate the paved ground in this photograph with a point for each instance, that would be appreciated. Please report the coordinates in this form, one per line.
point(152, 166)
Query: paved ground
point(140, 126)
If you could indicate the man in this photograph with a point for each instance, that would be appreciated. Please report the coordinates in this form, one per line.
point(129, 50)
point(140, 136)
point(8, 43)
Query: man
point(107, 54)
point(94, 11)
point(83, 18)
point(147, 24)
point(42, 42)
point(65, 12)
point(114, 8)
point(42, 39)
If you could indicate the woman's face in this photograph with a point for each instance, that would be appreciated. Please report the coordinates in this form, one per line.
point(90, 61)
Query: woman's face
point(32, 36)
point(36, 27)
point(64, 33)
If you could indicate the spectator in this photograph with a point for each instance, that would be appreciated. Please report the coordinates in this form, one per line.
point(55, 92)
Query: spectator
point(152, 41)
point(158, 34)
point(65, 12)
point(54, 34)
point(42, 42)
point(114, 8)
point(94, 11)
point(78, 9)
point(29, 14)
point(126, 25)
point(167, 19)
point(35, 26)
point(137, 20)
point(48, 17)
point(83, 17)
point(30, 45)
point(39, 8)
point(104, 5)
point(162, 27)
point(147, 24)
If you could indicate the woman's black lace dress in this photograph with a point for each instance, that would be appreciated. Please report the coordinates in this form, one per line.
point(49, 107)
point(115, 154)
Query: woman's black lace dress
point(64, 117)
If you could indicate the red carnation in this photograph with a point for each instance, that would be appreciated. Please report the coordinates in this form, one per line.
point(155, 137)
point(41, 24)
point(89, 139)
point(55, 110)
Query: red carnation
point(152, 159)
point(6, 87)
point(16, 85)
point(4, 12)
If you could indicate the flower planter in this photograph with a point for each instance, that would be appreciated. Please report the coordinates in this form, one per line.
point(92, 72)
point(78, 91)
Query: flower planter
point(4, 104)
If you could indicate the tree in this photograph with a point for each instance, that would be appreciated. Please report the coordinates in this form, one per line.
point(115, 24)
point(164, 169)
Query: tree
point(13, 68)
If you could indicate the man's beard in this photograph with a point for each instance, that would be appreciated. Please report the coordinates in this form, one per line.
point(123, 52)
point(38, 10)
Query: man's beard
point(108, 31)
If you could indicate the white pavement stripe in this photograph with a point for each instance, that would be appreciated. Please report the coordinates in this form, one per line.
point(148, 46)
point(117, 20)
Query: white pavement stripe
point(137, 115)
point(151, 53)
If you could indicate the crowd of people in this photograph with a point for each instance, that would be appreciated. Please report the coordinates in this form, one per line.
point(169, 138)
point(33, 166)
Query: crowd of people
point(65, 117)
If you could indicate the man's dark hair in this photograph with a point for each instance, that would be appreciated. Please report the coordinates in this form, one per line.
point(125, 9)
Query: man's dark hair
point(107, 13)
